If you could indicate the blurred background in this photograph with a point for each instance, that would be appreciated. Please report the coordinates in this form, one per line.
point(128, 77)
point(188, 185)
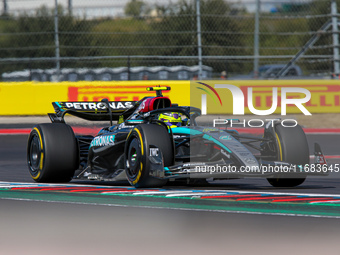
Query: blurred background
point(72, 40)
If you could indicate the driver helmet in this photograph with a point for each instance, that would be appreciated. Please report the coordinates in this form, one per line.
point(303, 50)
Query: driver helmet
point(172, 119)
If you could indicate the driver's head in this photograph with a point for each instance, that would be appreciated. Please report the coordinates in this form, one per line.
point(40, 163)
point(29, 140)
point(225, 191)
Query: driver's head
point(172, 119)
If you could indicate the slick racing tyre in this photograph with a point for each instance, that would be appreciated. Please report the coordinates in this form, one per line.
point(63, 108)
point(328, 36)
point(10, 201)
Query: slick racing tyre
point(137, 149)
point(52, 153)
point(292, 148)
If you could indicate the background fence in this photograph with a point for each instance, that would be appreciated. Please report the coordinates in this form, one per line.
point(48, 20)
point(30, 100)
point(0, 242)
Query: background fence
point(234, 37)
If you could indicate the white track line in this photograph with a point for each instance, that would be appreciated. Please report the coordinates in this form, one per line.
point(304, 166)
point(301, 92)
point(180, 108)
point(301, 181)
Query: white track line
point(193, 194)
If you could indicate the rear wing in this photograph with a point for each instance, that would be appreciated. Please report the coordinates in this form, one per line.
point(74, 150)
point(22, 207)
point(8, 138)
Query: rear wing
point(103, 110)
point(94, 111)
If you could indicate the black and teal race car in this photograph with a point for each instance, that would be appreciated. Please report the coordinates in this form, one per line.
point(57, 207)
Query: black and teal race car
point(154, 142)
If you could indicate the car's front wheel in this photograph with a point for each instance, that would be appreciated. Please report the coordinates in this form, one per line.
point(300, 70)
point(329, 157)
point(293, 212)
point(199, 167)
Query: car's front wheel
point(142, 141)
point(292, 147)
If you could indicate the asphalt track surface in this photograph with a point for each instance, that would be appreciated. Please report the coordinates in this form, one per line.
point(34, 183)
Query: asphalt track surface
point(46, 222)
point(14, 167)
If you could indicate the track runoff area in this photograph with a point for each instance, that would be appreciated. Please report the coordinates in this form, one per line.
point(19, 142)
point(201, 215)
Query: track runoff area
point(212, 200)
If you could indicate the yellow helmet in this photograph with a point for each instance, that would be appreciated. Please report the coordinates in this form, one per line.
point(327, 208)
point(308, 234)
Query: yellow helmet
point(172, 119)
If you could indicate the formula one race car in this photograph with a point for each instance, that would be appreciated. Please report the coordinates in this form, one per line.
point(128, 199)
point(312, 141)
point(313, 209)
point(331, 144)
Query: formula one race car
point(155, 141)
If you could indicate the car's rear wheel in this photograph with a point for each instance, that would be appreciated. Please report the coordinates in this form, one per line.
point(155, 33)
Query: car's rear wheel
point(137, 150)
point(52, 153)
point(292, 148)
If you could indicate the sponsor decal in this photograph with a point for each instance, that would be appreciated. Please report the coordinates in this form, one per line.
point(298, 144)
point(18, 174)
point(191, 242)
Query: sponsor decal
point(194, 164)
point(123, 125)
point(243, 154)
point(154, 152)
point(103, 140)
point(206, 130)
point(179, 136)
point(225, 153)
point(225, 137)
point(250, 160)
point(90, 106)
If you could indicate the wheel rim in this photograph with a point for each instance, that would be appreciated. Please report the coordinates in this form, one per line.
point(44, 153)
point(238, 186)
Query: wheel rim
point(34, 156)
point(133, 159)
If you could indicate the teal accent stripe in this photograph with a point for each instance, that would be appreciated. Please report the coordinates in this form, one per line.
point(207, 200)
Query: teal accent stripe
point(60, 107)
point(186, 131)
